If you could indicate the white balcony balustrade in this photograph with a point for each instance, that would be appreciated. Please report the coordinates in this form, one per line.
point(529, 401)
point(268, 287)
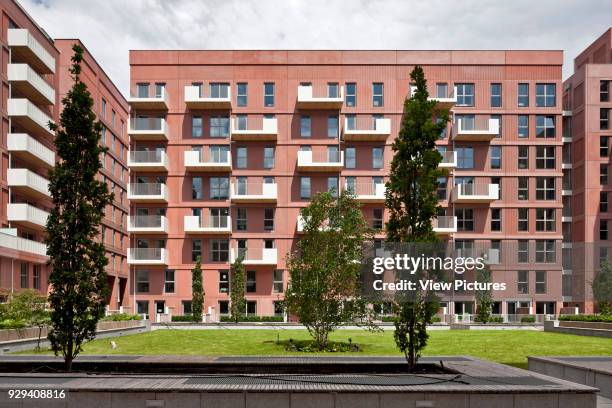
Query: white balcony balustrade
point(479, 129)
point(449, 160)
point(255, 256)
point(201, 97)
point(27, 82)
point(368, 192)
point(148, 128)
point(147, 256)
point(154, 99)
point(308, 160)
point(26, 48)
point(147, 192)
point(476, 193)
point(320, 96)
point(254, 128)
point(365, 128)
point(143, 224)
point(30, 150)
point(28, 116)
point(444, 225)
point(208, 224)
point(148, 160)
point(208, 160)
point(29, 183)
point(252, 192)
point(27, 215)
point(445, 97)
point(10, 241)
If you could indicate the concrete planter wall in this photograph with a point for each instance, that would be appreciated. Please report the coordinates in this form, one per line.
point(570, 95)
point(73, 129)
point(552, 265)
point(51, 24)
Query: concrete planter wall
point(597, 329)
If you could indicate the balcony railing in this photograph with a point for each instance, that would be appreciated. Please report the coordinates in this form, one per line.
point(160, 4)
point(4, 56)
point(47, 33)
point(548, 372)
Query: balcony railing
point(10, 240)
point(154, 99)
point(148, 160)
point(26, 81)
point(147, 192)
point(320, 160)
point(443, 225)
point(206, 223)
point(28, 183)
point(320, 96)
point(449, 160)
point(27, 215)
point(148, 223)
point(366, 128)
point(368, 192)
point(27, 115)
point(208, 160)
point(147, 256)
point(445, 100)
point(476, 193)
point(26, 48)
point(196, 98)
point(481, 129)
point(255, 256)
point(254, 192)
point(31, 150)
point(256, 128)
point(148, 128)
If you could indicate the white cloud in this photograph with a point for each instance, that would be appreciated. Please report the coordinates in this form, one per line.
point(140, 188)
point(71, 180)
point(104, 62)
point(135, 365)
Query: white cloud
point(110, 28)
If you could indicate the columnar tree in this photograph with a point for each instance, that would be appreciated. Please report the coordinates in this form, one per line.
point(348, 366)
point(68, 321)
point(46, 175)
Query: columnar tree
point(77, 259)
point(412, 202)
point(197, 292)
point(325, 291)
point(484, 298)
point(602, 288)
point(237, 299)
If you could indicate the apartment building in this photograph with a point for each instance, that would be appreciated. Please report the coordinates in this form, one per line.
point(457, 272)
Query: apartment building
point(226, 147)
point(587, 107)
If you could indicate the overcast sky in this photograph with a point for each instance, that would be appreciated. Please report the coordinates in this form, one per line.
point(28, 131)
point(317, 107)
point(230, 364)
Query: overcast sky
point(109, 28)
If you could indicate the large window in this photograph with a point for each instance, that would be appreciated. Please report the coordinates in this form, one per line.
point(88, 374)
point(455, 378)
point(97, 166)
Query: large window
point(545, 219)
point(545, 188)
point(523, 219)
point(442, 188)
point(219, 250)
point(196, 188)
point(465, 219)
point(219, 188)
point(523, 95)
point(465, 157)
point(523, 282)
point(540, 282)
point(169, 283)
point(545, 251)
point(465, 94)
point(545, 157)
point(545, 126)
point(378, 97)
point(269, 94)
point(268, 219)
point(142, 281)
point(241, 219)
point(219, 90)
point(219, 126)
point(351, 94)
point(496, 95)
point(545, 95)
point(241, 94)
point(241, 157)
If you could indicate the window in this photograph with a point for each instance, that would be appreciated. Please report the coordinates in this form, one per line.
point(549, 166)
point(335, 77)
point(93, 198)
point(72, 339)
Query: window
point(523, 188)
point(604, 118)
point(465, 219)
point(241, 219)
point(523, 126)
point(219, 188)
point(523, 251)
point(196, 188)
point(603, 201)
point(186, 307)
point(496, 158)
point(251, 307)
point(268, 219)
point(196, 126)
point(496, 95)
point(351, 94)
point(36, 277)
point(545, 188)
point(465, 157)
point(603, 174)
point(545, 95)
point(545, 219)
point(377, 218)
point(523, 282)
point(523, 157)
point(277, 281)
point(242, 122)
point(269, 94)
point(540, 283)
point(603, 146)
point(332, 186)
point(219, 90)
point(523, 95)
point(251, 282)
point(142, 281)
point(333, 90)
point(219, 250)
point(497, 180)
point(603, 230)
point(169, 281)
point(465, 94)
point(441, 90)
point(103, 108)
point(241, 157)
point(523, 219)
point(241, 94)
point(351, 122)
point(219, 126)
point(378, 94)
point(142, 307)
point(305, 188)
point(24, 275)
point(305, 126)
point(377, 157)
point(545, 126)
point(142, 91)
point(350, 157)
point(269, 154)
point(545, 251)
point(496, 219)
point(223, 307)
point(604, 91)
point(332, 126)
point(223, 281)
point(545, 157)
point(196, 250)
point(442, 188)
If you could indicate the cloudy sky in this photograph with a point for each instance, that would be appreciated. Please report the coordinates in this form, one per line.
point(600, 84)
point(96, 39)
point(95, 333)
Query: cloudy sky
point(109, 28)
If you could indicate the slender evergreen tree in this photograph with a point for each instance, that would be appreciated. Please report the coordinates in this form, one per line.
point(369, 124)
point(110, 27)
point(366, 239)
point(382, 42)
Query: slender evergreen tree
point(411, 198)
point(484, 298)
point(237, 299)
point(602, 288)
point(197, 292)
point(77, 259)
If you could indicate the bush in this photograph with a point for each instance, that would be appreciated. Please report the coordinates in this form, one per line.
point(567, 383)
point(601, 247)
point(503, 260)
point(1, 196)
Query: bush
point(528, 319)
point(391, 319)
point(308, 346)
point(253, 319)
point(587, 318)
point(121, 317)
point(490, 319)
point(13, 324)
point(183, 318)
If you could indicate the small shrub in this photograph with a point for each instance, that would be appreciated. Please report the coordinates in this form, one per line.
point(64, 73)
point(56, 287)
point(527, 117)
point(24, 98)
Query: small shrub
point(13, 324)
point(183, 318)
point(528, 319)
point(254, 319)
point(308, 346)
point(587, 318)
point(121, 317)
point(391, 319)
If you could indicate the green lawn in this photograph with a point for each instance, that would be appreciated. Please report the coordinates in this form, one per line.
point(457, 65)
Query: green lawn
point(504, 346)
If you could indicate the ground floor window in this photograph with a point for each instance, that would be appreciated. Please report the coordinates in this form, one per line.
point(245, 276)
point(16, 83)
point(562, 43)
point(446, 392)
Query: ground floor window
point(279, 310)
point(23, 275)
point(142, 307)
point(224, 307)
point(186, 307)
point(251, 308)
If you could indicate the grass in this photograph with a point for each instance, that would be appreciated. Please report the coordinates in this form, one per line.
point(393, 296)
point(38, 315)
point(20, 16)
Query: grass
point(503, 346)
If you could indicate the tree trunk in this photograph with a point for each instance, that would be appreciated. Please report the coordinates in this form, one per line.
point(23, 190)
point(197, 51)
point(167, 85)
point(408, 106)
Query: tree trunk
point(411, 348)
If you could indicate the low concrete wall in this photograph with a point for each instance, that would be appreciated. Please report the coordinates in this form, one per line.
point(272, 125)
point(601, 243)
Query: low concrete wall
point(595, 329)
point(496, 326)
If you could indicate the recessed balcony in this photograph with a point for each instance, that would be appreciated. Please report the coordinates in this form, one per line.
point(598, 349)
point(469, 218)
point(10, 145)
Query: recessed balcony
point(26, 48)
point(148, 224)
point(156, 100)
point(364, 128)
point(27, 82)
point(254, 192)
point(147, 256)
point(254, 128)
point(444, 225)
point(27, 215)
point(10, 241)
point(449, 160)
point(206, 160)
point(27, 115)
point(30, 150)
point(480, 129)
point(147, 192)
point(445, 98)
point(255, 256)
point(368, 192)
point(308, 160)
point(476, 193)
point(320, 97)
point(208, 224)
point(28, 183)
point(148, 160)
point(146, 128)
point(196, 99)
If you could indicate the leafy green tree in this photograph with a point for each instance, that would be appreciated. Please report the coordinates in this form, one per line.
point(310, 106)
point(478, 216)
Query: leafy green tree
point(77, 260)
point(197, 292)
point(602, 288)
point(484, 298)
point(324, 291)
point(411, 198)
point(237, 299)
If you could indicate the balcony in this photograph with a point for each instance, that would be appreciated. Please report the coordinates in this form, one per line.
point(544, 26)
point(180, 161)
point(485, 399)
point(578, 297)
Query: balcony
point(147, 192)
point(145, 128)
point(368, 192)
point(475, 193)
point(195, 98)
point(206, 160)
point(444, 225)
point(308, 160)
point(491, 255)
point(26, 81)
point(153, 101)
point(445, 99)
point(147, 256)
point(30, 150)
point(25, 114)
point(10, 240)
point(148, 160)
point(26, 48)
point(449, 160)
point(255, 256)
point(148, 224)
point(363, 128)
point(208, 224)
point(481, 129)
point(319, 97)
point(256, 128)
point(27, 215)
point(29, 183)
point(254, 192)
